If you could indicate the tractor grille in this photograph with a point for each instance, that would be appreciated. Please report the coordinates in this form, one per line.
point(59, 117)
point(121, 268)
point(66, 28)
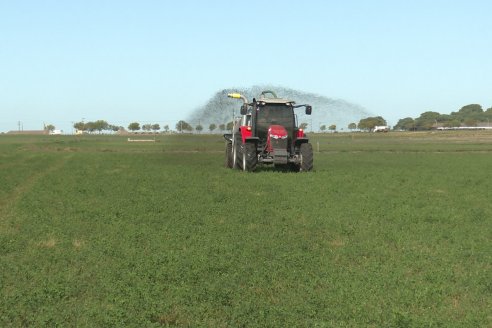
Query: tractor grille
point(279, 143)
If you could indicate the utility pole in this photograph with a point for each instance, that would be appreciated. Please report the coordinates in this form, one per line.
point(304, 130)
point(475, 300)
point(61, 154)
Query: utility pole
point(18, 125)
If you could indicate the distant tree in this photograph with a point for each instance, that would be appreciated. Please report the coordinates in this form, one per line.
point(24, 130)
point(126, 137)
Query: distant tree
point(156, 127)
point(100, 125)
point(166, 128)
point(427, 120)
point(230, 125)
point(147, 127)
point(471, 109)
point(370, 122)
point(183, 126)
point(470, 115)
point(212, 127)
point(80, 126)
point(452, 124)
point(90, 126)
point(488, 115)
point(333, 127)
point(322, 128)
point(49, 127)
point(303, 126)
point(199, 128)
point(134, 126)
point(471, 122)
point(352, 126)
point(222, 127)
point(407, 124)
point(115, 128)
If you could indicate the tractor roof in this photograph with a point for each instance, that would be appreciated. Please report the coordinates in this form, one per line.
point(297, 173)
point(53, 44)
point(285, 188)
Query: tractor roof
point(275, 101)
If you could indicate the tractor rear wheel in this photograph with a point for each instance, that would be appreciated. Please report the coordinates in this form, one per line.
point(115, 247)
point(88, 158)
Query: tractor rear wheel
point(249, 157)
point(306, 154)
point(228, 155)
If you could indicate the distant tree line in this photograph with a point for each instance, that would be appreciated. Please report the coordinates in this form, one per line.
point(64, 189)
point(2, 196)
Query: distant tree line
point(102, 125)
point(183, 126)
point(469, 115)
point(135, 126)
point(99, 126)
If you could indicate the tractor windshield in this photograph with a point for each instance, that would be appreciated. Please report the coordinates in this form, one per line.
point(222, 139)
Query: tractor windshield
point(274, 114)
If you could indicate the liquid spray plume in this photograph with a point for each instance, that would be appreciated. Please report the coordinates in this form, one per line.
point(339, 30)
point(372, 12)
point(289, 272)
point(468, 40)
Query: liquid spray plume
point(326, 111)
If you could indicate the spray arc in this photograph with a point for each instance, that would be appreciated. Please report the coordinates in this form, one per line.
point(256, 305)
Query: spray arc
point(267, 133)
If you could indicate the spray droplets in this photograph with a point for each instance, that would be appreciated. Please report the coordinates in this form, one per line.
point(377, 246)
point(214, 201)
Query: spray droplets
point(221, 109)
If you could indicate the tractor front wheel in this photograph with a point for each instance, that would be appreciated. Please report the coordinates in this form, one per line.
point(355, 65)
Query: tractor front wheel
point(249, 157)
point(306, 154)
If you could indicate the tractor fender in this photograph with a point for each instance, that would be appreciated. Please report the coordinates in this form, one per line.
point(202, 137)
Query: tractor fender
point(254, 140)
point(228, 137)
point(300, 141)
point(246, 133)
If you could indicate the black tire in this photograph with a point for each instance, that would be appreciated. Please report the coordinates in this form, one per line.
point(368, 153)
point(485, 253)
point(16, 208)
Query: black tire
point(249, 158)
point(306, 154)
point(228, 155)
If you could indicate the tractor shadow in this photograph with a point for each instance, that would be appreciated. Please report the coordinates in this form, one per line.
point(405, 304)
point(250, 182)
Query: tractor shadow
point(262, 169)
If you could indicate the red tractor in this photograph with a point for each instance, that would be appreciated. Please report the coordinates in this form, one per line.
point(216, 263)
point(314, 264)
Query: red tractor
point(267, 133)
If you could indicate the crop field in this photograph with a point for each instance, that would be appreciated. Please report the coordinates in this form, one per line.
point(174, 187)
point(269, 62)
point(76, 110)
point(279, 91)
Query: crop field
point(389, 230)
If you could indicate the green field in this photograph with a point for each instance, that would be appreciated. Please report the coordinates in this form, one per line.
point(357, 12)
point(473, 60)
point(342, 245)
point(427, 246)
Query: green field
point(389, 230)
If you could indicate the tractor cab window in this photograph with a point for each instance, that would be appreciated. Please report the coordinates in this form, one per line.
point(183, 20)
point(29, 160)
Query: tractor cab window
point(246, 120)
point(274, 114)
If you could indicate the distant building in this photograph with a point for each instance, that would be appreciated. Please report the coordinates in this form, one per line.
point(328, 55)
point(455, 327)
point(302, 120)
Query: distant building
point(28, 132)
point(381, 128)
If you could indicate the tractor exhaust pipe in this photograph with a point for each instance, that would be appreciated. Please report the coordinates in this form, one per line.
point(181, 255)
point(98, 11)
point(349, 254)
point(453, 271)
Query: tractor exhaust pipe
point(238, 96)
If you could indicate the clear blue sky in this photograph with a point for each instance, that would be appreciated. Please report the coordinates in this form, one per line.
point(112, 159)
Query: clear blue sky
point(156, 61)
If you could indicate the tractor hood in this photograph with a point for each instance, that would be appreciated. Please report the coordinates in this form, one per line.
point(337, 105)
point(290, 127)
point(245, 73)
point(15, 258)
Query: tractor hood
point(277, 132)
point(276, 139)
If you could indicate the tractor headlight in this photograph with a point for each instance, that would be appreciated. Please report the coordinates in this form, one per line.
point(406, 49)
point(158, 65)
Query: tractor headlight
point(274, 136)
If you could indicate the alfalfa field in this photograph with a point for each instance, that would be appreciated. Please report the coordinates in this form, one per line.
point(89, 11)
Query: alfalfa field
point(389, 230)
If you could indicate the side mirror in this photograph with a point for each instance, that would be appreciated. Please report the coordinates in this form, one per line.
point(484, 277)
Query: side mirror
point(308, 110)
point(244, 109)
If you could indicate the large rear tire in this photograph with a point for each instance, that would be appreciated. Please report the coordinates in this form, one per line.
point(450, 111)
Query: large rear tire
point(249, 157)
point(228, 155)
point(306, 154)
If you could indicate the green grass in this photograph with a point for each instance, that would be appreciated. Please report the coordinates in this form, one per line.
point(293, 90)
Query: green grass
point(390, 230)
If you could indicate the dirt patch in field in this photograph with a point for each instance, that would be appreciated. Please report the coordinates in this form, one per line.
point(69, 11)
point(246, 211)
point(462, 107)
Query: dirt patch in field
point(78, 243)
point(337, 243)
point(49, 243)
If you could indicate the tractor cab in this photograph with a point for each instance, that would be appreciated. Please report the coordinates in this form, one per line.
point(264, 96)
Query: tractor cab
point(276, 120)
